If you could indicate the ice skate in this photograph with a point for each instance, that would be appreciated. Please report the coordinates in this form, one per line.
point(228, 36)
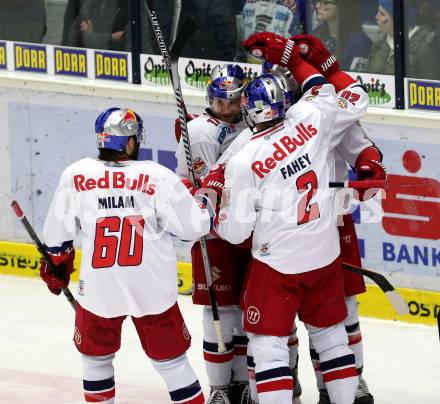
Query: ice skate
point(297, 390)
point(239, 393)
point(219, 395)
point(324, 398)
point(363, 395)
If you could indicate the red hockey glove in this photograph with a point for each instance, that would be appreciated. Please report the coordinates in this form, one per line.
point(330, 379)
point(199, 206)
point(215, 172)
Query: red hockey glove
point(215, 180)
point(368, 166)
point(63, 268)
point(314, 52)
point(178, 127)
point(271, 47)
point(278, 50)
point(191, 187)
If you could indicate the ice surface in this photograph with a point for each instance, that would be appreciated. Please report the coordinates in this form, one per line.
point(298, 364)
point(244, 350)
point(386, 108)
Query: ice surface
point(39, 363)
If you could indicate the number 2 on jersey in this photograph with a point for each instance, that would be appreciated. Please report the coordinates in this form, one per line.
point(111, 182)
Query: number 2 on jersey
point(306, 211)
point(126, 244)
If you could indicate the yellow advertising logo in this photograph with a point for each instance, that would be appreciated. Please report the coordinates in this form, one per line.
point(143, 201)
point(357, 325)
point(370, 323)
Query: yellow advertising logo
point(24, 260)
point(30, 58)
point(2, 55)
point(424, 95)
point(111, 66)
point(424, 305)
point(71, 62)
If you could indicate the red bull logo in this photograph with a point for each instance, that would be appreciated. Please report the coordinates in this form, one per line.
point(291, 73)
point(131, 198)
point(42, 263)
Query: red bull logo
point(226, 85)
point(129, 116)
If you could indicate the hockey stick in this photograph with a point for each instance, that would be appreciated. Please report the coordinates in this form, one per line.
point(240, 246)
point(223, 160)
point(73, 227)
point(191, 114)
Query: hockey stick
point(438, 323)
point(171, 62)
point(40, 247)
point(392, 295)
point(359, 184)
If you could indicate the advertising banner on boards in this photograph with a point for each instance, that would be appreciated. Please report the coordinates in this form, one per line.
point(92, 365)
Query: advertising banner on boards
point(400, 238)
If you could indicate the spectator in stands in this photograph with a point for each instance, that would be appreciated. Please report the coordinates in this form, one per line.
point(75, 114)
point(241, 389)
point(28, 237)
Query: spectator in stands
point(430, 17)
point(23, 20)
point(284, 17)
point(97, 24)
point(216, 37)
point(339, 28)
point(167, 16)
point(421, 61)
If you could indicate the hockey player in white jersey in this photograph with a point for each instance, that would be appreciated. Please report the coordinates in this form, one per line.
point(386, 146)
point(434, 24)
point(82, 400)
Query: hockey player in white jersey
point(125, 211)
point(210, 135)
point(359, 152)
point(292, 93)
point(271, 188)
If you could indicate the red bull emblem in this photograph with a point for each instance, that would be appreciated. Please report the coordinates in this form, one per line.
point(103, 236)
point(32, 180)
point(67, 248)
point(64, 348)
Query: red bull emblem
point(129, 116)
point(226, 85)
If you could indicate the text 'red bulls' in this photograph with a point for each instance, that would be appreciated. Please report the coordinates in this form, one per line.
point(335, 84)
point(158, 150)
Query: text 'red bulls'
point(115, 180)
point(283, 147)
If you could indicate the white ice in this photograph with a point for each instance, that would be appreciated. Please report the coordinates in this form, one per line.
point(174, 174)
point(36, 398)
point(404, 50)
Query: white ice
point(39, 363)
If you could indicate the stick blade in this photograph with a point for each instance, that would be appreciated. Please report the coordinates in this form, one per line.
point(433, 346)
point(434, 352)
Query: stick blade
point(397, 302)
point(185, 33)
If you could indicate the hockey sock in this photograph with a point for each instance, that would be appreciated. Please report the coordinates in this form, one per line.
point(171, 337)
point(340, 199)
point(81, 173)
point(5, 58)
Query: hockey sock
point(354, 331)
point(251, 376)
point(98, 379)
point(239, 362)
point(272, 374)
point(337, 362)
point(181, 381)
point(293, 348)
point(314, 356)
point(218, 365)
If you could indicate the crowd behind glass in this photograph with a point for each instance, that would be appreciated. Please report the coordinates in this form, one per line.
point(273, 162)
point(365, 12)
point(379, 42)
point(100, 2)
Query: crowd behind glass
point(359, 32)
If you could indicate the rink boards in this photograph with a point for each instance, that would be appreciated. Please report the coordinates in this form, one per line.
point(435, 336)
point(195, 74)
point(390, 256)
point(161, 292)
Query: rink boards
point(23, 260)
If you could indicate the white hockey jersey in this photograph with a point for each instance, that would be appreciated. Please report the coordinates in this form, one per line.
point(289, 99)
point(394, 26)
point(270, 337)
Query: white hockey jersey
point(270, 183)
point(125, 213)
point(209, 138)
point(353, 142)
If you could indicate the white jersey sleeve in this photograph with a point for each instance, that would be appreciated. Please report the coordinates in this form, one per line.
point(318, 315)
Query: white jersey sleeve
point(353, 142)
point(61, 223)
point(238, 215)
point(352, 103)
point(172, 200)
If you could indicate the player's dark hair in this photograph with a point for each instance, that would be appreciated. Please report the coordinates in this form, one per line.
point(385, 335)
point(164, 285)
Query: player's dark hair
point(114, 155)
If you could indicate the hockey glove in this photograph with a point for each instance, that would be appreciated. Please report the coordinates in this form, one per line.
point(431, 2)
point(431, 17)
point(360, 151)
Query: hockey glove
point(60, 278)
point(281, 51)
point(368, 166)
point(178, 127)
point(215, 179)
point(213, 184)
point(271, 47)
point(191, 187)
point(314, 52)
